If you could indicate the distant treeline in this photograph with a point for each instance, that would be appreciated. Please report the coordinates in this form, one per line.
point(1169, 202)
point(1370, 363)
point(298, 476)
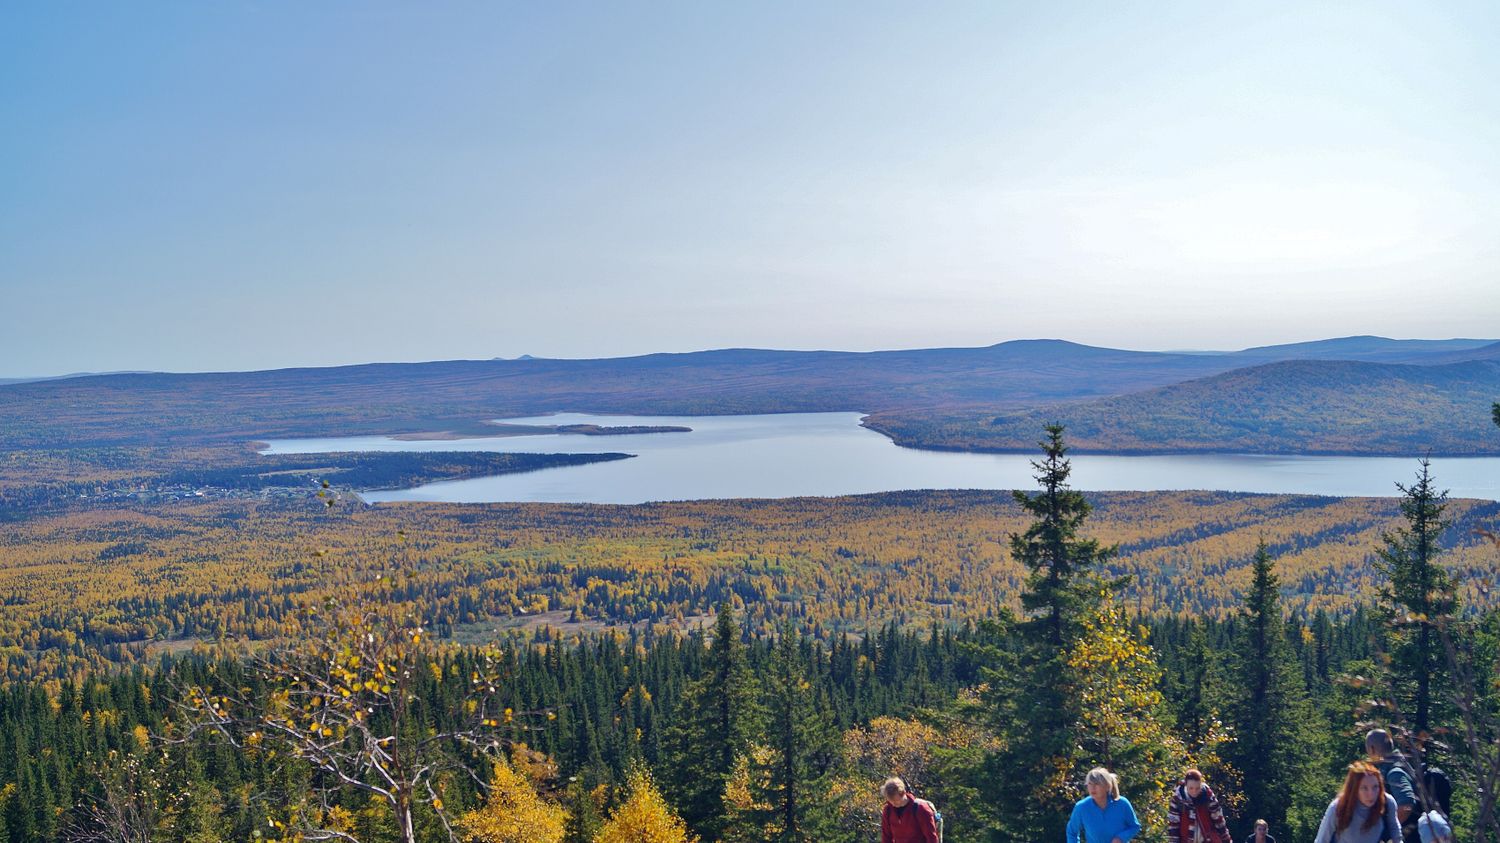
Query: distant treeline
point(360, 470)
point(33, 481)
point(107, 583)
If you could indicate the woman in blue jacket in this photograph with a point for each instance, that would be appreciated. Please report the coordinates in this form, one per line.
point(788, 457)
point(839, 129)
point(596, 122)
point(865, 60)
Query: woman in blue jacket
point(1104, 816)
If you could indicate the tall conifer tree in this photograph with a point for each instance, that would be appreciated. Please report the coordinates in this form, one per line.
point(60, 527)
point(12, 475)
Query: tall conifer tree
point(1029, 782)
point(1275, 748)
point(1419, 593)
point(717, 721)
point(804, 744)
point(1062, 585)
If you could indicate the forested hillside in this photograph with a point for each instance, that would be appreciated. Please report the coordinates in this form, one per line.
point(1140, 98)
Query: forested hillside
point(1322, 407)
point(935, 398)
point(117, 581)
point(585, 714)
point(31, 483)
point(945, 637)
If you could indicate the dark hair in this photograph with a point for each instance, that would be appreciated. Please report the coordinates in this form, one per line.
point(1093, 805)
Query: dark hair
point(1193, 775)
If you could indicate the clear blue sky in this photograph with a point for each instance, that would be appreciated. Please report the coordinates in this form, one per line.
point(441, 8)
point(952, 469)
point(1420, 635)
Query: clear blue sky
point(191, 186)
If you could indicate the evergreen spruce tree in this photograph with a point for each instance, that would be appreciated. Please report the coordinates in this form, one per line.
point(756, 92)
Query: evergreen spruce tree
point(804, 744)
point(715, 724)
point(1030, 782)
point(1419, 594)
point(1062, 583)
point(1276, 748)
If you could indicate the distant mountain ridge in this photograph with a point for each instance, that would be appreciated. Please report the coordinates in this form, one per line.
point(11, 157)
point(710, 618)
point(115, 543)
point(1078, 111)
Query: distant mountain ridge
point(8, 381)
point(1371, 349)
point(941, 397)
point(1291, 407)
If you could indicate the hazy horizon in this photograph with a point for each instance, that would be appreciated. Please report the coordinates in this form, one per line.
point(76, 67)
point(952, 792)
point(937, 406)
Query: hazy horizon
point(6, 376)
point(260, 185)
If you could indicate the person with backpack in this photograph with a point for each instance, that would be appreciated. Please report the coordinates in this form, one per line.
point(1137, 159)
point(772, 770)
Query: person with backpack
point(1362, 812)
point(905, 818)
point(1437, 789)
point(1104, 816)
point(1194, 814)
point(1400, 780)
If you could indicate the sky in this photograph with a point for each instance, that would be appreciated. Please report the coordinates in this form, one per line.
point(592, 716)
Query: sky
point(250, 185)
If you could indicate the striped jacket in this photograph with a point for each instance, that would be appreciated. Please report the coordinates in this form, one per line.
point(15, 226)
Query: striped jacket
point(1184, 811)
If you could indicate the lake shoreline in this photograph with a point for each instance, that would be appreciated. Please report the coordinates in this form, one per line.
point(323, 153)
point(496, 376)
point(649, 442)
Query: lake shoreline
point(833, 454)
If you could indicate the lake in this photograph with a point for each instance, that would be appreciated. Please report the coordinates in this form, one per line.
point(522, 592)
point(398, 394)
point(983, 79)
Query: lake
point(824, 454)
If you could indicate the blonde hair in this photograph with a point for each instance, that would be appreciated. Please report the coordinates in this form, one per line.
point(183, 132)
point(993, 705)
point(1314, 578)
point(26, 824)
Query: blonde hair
point(1099, 775)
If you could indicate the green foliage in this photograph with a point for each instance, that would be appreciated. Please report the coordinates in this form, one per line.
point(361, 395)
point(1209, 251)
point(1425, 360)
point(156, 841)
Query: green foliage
point(718, 724)
point(1277, 739)
point(803, 743)
point(1082, 689)
point(1419, 595)
point(1061, 585)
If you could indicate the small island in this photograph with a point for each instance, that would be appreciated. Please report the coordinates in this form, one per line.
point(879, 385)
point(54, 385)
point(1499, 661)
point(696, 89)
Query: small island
point(625, 430)
point(507, 429)
point(502, 429)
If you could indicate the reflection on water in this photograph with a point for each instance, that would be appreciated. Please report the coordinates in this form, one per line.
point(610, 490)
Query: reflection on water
point(796, 454)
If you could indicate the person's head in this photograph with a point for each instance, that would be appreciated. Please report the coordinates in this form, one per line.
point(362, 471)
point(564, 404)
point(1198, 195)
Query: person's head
point(1363, 785)
point(894, 791)
point(1102, 784)
point(1192, 782)
point(1261, 828)
point(1378, 744)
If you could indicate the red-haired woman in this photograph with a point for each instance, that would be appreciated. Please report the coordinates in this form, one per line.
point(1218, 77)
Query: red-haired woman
point(1363, 811)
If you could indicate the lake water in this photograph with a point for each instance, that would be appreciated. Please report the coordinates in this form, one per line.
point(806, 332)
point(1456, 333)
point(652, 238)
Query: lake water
point(796, 454)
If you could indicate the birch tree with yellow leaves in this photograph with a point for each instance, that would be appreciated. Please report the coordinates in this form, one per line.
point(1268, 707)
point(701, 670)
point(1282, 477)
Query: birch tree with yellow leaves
point(344, 701)
point(644, 817)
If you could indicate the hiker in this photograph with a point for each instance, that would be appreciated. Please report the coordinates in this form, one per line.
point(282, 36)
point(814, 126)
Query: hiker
point(1437, 789)
point(1434, 828)
point(1399, 780)
point(1104, 816)
point(1262, 833)
point(1362, 812)
point(1194, 814)
point(905, 818)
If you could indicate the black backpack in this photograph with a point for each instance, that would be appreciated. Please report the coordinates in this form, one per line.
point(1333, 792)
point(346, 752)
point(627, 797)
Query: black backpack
point(1438, 789)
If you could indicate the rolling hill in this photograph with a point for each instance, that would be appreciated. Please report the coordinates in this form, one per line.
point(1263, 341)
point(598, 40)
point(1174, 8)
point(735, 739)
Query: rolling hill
point(931, 398)
point(1296, 407)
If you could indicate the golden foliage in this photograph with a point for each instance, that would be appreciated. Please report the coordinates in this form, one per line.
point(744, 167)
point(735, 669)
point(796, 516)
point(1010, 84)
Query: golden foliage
point(644, 817)
point(747, 812)
point(514, 812)
point(93, 588)
point(1116, 679)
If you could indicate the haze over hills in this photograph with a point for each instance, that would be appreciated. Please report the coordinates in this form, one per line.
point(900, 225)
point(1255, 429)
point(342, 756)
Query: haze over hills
point(1301, 406)
point(944, 397)
point(1371, 349)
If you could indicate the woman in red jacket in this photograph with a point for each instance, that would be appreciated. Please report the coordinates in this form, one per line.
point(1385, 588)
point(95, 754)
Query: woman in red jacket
point(1194, 814)
point(905, 818)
